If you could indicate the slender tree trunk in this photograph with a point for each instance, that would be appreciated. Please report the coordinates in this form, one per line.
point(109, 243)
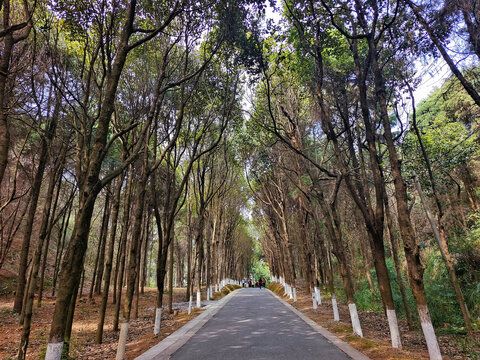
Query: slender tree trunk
point(103, 241)
point(9, 40)
point(146, 262)
point(120, 283)
point(134, 252)
point(208, 264)
point(4, 71)
point(117, 267)
point(80, 291)
point(199, 258)
point(62, 236)
point(27, 231)
point(440, 236)
point(170, 273)
point(469, 184)
point(366, 265)
point(101, 246)
point(415, 267)
point(120, 268)
point(51, 222)
point(332, 224)
point(139, 258)
point(109, 260)
point(394, 246)
point(137, 282)
point(90, 186)
point(70, 316)
point(189, 253)
point(49, 219)
point(30, 294)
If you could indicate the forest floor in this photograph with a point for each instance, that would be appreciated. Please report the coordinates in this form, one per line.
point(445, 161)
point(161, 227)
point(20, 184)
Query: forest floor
point(140, 337)
point(376, 341)
point(375, 344)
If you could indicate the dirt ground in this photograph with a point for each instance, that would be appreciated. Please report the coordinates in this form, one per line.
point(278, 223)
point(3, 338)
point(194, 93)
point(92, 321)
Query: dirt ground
point(84, 327)
point(375, 344)
point(376, 341)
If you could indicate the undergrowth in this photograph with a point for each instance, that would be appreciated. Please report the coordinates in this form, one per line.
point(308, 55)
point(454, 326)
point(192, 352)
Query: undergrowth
point(225, 291)
point(276, 288)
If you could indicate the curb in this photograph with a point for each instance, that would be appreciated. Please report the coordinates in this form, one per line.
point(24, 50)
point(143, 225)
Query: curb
point(342, 345)
point(165, 348)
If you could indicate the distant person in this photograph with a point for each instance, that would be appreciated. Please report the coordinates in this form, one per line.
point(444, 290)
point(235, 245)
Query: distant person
point(264, 282)
point(249, 283)
point(243, 283)
point(260, 283)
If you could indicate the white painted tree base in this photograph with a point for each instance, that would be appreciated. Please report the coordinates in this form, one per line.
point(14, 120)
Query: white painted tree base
point(199, 300)
point(122, 341)
point(394, 331)
point(190, 301)
point(54, 351)
point(158, 321)
point(314, 300)
point(357, 329)
point(318, 295)
point(294, 294)
point(336, 316)
point(429, 333)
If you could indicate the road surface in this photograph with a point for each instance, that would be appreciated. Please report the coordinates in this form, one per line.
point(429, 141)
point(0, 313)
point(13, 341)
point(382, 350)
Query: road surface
point(256, 325)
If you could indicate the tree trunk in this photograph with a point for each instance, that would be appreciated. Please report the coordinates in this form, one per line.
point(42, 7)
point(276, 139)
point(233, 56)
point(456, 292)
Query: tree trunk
point(89, 187)
point(439, 232)
point(199, 257)
point(394, 246)
point(332, 224)
point(415, 267)
point(30, 220)
point(9, 40)
point(69, 323)
point(109, 260)
point(146, 262)
point(208, 264)
point(170, 275)
point(99, 259)
point(103, 241)
point(80, 290)
point(120, 268)
point(189, 253)
point(52, 219)
point(58, 256)
point(28, 304)
point(137, 279)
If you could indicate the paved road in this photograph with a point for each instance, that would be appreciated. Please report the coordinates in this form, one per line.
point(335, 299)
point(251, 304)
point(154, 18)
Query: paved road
point(255, 325)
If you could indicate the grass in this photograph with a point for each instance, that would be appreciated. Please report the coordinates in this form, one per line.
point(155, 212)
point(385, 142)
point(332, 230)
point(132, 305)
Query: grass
point(229, 288)
point(276, 288)
point(225, 291)
point(341, 328)
point(362, 343)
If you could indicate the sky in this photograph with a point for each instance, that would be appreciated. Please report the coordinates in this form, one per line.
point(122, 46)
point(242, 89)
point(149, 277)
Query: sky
point(432, 77)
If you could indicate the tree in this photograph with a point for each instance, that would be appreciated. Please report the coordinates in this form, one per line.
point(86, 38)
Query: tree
point(14, 31)
point(89, 163)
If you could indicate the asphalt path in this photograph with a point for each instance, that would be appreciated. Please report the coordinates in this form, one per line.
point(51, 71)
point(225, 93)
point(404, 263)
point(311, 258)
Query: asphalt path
point(255, 325)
